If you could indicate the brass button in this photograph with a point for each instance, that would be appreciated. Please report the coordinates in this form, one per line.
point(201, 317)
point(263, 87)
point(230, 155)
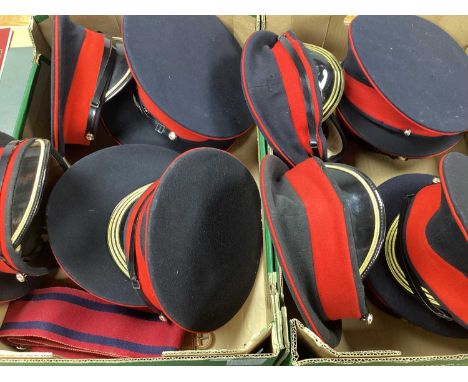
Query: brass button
point(204, 340)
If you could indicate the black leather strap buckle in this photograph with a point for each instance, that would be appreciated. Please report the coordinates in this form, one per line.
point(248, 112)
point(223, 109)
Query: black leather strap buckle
point(132, 271)
point(157, 126)
point(131, 266)
point(314, 145)
point(103, 82)
point(95, 104)
point(135, 283)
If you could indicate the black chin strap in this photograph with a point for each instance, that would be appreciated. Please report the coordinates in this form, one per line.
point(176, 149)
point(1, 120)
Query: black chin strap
point(410, 274)
point(157, 126)
point(131, 263)
point(103, 82)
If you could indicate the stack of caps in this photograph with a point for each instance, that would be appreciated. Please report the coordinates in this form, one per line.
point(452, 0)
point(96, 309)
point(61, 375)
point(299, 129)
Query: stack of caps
point(406, 90)
point(422, 276)
point(141, 226)
point(327, 223)
point(317, 213)
point(172, 81)
point(290, 89)
point(28, 171)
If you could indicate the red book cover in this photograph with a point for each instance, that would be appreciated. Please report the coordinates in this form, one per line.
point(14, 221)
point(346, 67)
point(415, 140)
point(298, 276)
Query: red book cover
point(5, 36)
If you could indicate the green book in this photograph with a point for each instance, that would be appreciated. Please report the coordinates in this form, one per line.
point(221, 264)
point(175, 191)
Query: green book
point(19, 66)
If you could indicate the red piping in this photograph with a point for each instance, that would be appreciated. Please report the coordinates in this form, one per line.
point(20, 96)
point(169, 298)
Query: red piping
point(358, 60)
point(369, 101)
point(310, 78)
point(280, 252)
point(56, 81)
point(82, 87)
point(147, 288)
point(331, 259)
point(3, 199)
point(449, 201)
point(294, 95)
point(165, 119)
point(254, 112)
point(448, 283)
point(348, 125)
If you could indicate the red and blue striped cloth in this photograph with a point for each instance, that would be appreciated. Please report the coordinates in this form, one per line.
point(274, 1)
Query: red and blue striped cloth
point(74, 324)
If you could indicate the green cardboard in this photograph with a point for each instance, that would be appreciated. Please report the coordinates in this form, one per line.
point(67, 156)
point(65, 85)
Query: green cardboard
point(16, 83)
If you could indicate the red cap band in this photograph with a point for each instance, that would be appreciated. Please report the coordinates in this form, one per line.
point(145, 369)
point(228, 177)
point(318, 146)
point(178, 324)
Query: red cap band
point(333, 269)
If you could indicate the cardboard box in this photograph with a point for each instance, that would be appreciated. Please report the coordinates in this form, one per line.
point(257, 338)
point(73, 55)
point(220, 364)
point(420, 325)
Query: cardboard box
point(267, 330)
point(255, 335)
point(252, 337)
point(22, 69)
point(387, 340)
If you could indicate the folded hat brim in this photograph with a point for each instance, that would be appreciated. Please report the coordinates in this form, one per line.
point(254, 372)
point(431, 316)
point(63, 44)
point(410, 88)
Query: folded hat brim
point(27, 183)
point(81, 205)
point(389, 140)
point(285, 211)
point(288, 225)
point(128, 125)
point(434, 239)
point(33, 169)
point(265, 92)
point(443, 281)
point(382, 285)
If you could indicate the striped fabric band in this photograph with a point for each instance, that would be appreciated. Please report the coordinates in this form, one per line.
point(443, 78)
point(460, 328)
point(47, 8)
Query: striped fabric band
point(74, 324)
